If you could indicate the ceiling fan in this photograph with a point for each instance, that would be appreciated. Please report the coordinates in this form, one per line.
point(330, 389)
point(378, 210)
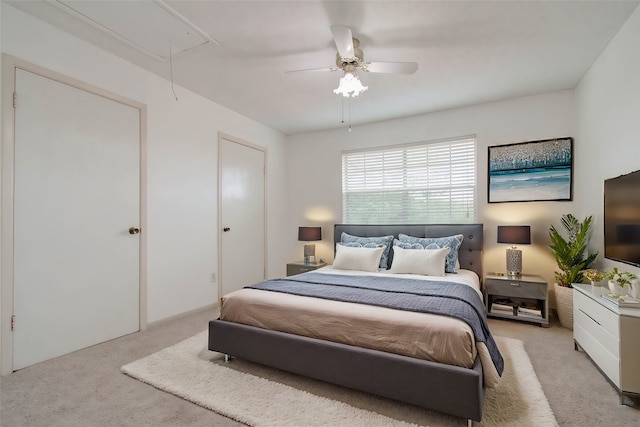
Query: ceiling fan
point(350, 58)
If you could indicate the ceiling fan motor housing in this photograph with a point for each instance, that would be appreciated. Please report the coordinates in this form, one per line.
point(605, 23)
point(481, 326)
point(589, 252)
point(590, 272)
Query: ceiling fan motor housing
point(357, 61)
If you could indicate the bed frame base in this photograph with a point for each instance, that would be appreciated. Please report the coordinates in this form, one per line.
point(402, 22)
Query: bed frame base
point(450, 389)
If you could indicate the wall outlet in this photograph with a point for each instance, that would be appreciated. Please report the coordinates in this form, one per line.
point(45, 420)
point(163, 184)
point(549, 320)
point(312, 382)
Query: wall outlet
point(213, 277)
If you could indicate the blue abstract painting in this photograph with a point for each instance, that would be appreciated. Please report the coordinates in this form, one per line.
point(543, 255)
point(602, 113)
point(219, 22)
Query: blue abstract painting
point(531, 171)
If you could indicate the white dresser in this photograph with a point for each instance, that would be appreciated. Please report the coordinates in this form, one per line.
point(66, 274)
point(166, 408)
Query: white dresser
point(610, 336)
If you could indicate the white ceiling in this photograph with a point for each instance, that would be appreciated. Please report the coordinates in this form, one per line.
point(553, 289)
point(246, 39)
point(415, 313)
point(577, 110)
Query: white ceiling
point(468, 52)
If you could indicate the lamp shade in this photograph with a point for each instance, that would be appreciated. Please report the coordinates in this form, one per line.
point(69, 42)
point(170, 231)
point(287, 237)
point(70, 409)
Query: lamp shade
point(514, 234)
point(350, 85)
point(309, 234)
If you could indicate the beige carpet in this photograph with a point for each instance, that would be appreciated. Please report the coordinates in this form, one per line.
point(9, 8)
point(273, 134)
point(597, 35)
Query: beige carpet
point(261, 396)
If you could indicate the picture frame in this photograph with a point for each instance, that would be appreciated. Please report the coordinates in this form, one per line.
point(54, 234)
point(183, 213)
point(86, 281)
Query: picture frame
point(531, 171)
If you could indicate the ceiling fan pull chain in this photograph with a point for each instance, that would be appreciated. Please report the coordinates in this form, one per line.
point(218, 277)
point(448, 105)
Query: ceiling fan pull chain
point(349, 114)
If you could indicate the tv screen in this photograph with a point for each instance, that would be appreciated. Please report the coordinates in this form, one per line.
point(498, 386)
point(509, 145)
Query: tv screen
point(622, 218)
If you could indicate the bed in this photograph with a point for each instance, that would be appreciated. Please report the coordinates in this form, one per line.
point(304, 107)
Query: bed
point(455, 387)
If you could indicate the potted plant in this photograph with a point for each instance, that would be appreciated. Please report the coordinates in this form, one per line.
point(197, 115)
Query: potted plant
point(570, 250)
point(594, 276)
point(618, 280)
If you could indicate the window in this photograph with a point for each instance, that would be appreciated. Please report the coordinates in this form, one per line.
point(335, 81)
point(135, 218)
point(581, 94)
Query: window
point(428, 182)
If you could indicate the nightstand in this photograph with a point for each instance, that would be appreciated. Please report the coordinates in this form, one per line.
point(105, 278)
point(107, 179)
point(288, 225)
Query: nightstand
point(300, 267)
point(521, 298)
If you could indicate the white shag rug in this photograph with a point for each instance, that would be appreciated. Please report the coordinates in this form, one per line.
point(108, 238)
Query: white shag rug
point(260, 396)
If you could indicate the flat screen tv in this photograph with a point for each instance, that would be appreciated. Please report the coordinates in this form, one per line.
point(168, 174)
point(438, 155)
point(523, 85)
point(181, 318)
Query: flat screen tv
point(622, 218)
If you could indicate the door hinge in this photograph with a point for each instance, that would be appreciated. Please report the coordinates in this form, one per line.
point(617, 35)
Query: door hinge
point(13, 322)
point(15, 99)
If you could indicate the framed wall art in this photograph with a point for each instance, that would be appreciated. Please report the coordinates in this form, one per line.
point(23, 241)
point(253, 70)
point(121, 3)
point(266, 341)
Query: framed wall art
point(531, 171)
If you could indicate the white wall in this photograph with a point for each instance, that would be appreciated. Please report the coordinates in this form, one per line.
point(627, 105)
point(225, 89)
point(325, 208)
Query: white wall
point(182, 162)
point(315, 162)
point(608, 123)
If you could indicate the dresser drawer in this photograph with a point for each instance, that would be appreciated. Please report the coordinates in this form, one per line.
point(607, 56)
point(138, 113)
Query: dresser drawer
point(607, 362)
point(516, 288)
point(599, 333)
point(600, 314)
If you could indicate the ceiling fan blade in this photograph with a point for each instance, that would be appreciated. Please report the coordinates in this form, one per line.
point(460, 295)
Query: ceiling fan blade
point(392, 67)
point(344, 40)
point(313, 69)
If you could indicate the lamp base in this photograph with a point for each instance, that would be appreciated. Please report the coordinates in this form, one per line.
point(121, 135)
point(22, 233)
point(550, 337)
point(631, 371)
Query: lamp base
point(514, 262)
point(309, 253)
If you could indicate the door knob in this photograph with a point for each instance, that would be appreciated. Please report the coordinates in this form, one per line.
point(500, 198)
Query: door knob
point(226, 229)
point(134, 230)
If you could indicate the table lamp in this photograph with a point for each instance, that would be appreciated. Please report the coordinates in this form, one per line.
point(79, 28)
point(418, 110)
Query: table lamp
point(514, 234)
point(309, 234)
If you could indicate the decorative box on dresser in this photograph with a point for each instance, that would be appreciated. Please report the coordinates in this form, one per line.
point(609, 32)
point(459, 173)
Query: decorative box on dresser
point(610, 336)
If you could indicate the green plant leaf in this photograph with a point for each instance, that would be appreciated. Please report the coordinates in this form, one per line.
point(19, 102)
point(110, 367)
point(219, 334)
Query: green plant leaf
point(571, 249)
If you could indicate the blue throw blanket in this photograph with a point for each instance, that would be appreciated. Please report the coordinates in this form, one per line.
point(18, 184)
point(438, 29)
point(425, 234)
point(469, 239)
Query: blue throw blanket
point(424, 296)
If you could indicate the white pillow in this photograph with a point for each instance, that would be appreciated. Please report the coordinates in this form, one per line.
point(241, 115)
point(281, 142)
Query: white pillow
point(354, 258)
point(429, 262)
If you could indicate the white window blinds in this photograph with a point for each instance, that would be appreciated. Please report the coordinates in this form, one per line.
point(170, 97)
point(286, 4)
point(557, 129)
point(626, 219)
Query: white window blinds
point(430, 182)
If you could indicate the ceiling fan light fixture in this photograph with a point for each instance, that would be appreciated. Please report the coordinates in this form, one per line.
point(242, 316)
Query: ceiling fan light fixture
point(350, 85)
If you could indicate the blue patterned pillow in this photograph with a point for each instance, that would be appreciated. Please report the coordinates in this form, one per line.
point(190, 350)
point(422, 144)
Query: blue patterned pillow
point(385, 241)
point(452, 242)
point(404, 245)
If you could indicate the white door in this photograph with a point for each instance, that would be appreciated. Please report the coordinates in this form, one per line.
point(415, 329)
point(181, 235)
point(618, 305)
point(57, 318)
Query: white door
point(77, 193)
point(242, 215)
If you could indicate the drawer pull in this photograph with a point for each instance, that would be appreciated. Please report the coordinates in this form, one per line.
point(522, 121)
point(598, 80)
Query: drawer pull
point(590, 317)
point(514, 284)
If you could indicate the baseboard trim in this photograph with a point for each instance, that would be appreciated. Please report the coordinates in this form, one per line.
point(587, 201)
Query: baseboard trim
point(160, 322)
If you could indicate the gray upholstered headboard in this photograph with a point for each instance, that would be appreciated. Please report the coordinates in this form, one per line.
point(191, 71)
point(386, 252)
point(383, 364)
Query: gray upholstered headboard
point(469, 254)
